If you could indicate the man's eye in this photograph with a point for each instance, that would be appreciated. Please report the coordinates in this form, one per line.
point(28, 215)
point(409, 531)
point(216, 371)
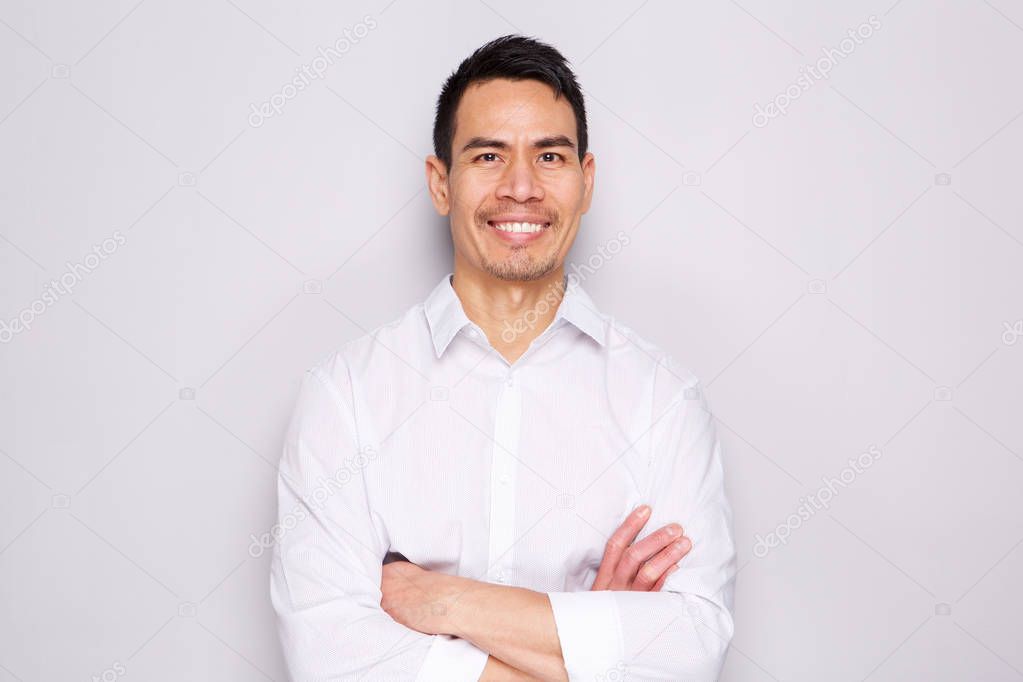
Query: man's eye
point(560, 157)
point(486, 154)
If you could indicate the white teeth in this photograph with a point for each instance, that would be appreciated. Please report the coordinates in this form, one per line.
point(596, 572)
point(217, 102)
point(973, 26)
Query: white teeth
point(518, 227)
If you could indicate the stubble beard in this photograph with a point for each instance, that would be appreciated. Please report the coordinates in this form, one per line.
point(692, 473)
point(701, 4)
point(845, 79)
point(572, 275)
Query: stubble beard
point(519, 265)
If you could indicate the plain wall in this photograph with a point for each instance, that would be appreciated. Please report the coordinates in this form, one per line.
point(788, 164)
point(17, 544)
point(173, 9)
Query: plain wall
point(844, 277)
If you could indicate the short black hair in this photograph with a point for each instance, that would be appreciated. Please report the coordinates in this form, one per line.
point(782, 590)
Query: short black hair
point(514, 57)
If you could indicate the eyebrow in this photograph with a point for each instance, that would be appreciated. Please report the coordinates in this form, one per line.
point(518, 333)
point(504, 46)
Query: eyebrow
point(542, 143)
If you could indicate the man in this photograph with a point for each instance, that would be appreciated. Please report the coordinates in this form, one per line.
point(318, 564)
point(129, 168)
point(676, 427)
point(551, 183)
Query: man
point(537, 470)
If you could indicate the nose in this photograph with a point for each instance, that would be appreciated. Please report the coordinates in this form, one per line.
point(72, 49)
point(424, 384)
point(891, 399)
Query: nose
point(520, 182)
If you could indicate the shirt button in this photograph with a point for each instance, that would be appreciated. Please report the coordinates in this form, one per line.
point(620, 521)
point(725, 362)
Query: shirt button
point(509, 382)
point(500, 576)
point(504, 479)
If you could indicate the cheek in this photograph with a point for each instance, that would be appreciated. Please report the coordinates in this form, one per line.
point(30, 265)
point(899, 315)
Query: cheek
point(567, 194)
point(471, 187)
point(464, 205)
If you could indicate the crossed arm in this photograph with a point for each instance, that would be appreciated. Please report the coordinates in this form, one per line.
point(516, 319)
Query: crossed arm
point(516, 626)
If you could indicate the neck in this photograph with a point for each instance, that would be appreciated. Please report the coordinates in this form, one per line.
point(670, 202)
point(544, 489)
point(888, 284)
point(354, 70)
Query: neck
point(511, 313)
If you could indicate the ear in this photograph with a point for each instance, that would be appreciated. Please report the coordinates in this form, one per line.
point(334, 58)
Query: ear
point(437, 183)
point(589, 177)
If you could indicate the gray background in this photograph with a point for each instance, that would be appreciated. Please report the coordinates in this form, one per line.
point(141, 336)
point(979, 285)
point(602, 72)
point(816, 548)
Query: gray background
point(846, 276)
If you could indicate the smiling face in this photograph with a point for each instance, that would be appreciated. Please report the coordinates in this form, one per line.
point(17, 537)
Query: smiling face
point(516, 190)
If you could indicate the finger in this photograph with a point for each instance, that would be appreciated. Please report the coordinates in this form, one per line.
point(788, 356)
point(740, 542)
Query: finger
point(660, 583)
point(658, 565)
point(617, 543)
point(640, 552)
point(652, 570)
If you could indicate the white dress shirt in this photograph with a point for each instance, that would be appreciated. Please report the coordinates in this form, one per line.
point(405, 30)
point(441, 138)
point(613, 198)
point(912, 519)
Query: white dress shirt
point(419, 438)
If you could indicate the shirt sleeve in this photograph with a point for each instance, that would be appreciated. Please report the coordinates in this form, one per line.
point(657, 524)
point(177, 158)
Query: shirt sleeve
point(682, 631)
point(327, 559)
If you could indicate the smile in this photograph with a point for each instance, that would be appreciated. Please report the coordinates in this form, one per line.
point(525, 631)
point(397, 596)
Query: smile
point(520, 227)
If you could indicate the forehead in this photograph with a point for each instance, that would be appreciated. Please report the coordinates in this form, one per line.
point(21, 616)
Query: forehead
point(508, 109)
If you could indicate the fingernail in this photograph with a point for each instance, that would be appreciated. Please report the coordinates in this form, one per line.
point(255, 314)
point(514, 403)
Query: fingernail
point(674, 530)
point(643, 510)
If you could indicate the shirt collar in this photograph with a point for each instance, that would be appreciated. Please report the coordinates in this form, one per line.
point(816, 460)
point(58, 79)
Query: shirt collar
point(446, 317)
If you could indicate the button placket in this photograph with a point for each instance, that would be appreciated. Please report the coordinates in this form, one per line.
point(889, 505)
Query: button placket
point(502, 481)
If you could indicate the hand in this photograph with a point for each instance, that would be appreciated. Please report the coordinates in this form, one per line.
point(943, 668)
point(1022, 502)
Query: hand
point(644, 566)
point(415, 597)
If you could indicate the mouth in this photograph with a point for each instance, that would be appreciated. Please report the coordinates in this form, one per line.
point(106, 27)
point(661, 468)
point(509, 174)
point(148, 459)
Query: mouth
point(518, 231)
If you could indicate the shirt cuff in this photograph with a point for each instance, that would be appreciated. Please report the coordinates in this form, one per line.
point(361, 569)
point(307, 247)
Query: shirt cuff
point(590, 631)
point(451, 659)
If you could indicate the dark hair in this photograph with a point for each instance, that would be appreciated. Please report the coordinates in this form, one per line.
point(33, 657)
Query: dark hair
point(513, 57)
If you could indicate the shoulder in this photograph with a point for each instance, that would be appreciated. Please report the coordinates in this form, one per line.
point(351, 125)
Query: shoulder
point(670, 378)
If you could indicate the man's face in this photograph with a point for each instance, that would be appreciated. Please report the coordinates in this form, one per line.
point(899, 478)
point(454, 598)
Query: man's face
point(514, 166)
